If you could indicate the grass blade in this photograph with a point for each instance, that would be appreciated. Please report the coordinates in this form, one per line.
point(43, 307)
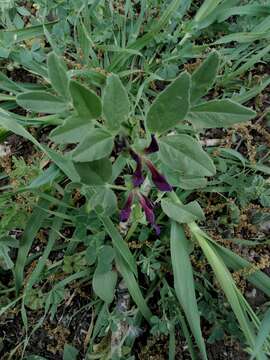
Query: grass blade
point(262, 336)
point(236, 262)
point(226, 282)
point(119, 244)
point(145, 39)
point(184, 282)
point(133, 286)
point(205, 10)
point(54, 234)
point(32, 227)
point(62, 162)
point(24, 34)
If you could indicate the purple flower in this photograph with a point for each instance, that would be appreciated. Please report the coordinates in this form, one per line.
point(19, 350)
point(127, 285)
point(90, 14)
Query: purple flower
point(158, 179)
point(137, 177)
point(148, 207)
point(153, 147)
point(126, 211)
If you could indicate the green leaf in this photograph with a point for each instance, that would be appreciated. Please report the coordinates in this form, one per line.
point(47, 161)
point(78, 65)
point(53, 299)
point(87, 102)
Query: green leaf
point(5, 261)
point(243, 37)
point(104, 201)
point(94, 173)
point(182, 214)
point(70, 352)
point(158, 25)
point(61, 161)
point(236, 263)
point(33, 225)
point(226, 282)
point(41, 102)
point(191, 183)
point(119, 244)
point(104, 284)
point(73, 130)
point(9, 85)
point(170, 106)
point(184, 282)
point(262, 336)
point(85, 101)
point(219, 113)
point(185, 154)
point(58, 75)
point(26, 33)
point(203, 78)
point(115, 103)
point(133, 287)
point(206, 9)
point(97, 145)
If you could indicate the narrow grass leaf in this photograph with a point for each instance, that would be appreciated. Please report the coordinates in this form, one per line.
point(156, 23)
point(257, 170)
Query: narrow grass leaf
point(158, 26)
point(205, 10)
point(61, 161)
point(132, 286)
point(227, 283)
point(252, 93)
point(248, 64)
point(119, 244)
point(184, 282)
point(9, 85)
point(262, 335)
point(53, 236)
point(26, 33)
point(33, 225)
point(236, 263)
point(242, 37)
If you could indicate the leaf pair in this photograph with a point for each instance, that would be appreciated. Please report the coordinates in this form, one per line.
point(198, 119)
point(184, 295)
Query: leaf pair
point(115, 104)
point(178, 102)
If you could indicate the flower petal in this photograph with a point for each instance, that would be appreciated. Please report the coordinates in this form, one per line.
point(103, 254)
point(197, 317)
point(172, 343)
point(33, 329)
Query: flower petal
point(148, 207)
point(153, 147)
point(126, 211)
point(137, 177)
point(158, 179)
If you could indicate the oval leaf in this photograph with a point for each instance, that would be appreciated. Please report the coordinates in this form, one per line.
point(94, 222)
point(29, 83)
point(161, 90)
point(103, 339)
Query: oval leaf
point(203, 78)
point(183, 153)
point(97, 145)
point(115, 103)
point(104, 284)
point(94, 173)
point(73, 130)
point(85, 101)
point(58, 75)
point(219, 113)
point(183, 214)
point(41, 102)
point(170, 106)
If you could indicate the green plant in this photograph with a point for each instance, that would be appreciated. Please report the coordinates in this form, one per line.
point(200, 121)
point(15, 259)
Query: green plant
point(120, 145)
